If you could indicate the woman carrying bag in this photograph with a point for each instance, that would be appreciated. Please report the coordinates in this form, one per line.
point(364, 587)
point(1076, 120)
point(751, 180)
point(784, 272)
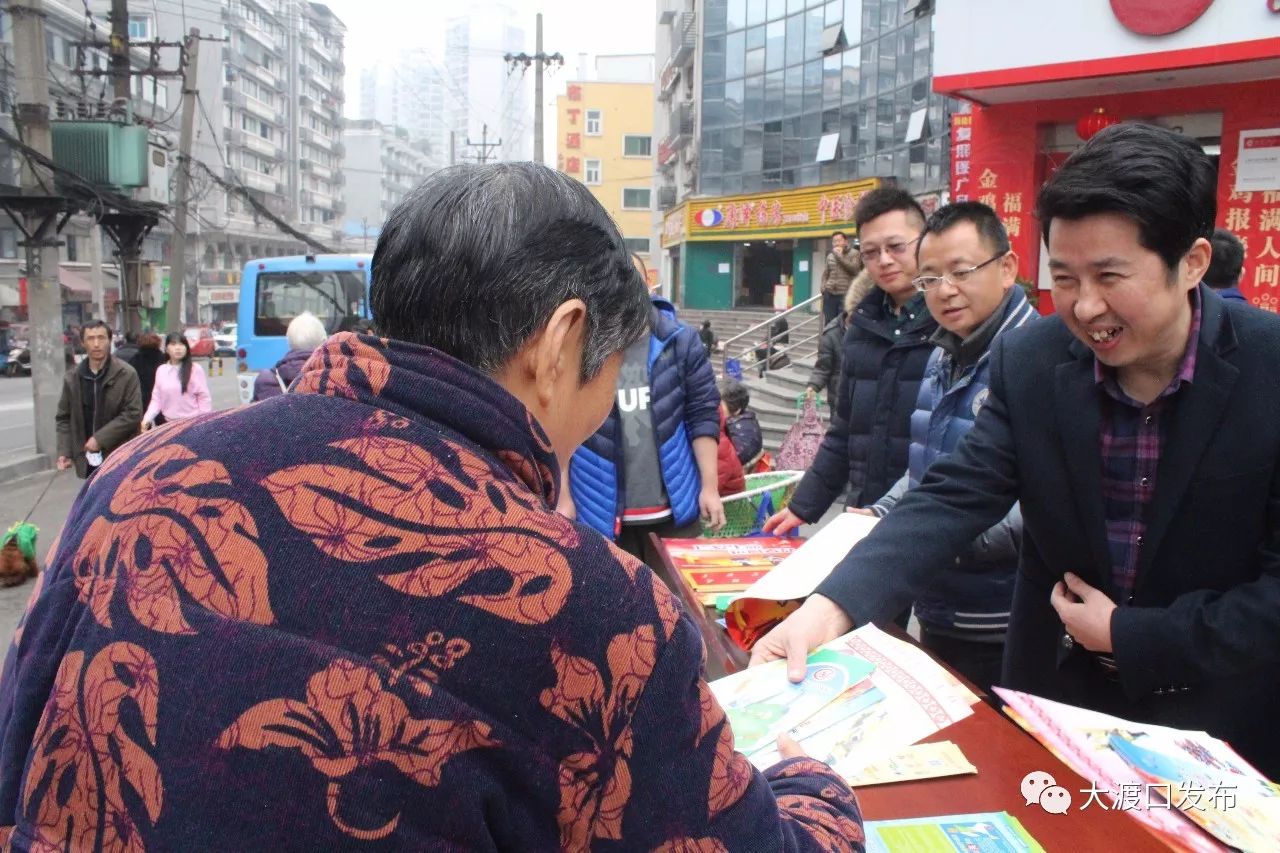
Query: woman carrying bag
point(181, 390)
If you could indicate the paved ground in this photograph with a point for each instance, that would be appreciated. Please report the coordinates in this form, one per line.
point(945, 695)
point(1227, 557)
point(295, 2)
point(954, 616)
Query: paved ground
point(48, 497)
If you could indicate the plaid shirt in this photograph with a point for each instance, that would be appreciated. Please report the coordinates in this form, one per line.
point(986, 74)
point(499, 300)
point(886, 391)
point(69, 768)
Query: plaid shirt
point(1132, 438)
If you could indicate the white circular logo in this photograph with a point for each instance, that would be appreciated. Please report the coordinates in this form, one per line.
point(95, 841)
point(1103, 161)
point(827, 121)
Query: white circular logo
point(980, 400)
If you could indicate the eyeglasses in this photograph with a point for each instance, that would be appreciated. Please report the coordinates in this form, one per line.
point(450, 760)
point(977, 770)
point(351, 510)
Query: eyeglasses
point(925, 283)
point(895, 249)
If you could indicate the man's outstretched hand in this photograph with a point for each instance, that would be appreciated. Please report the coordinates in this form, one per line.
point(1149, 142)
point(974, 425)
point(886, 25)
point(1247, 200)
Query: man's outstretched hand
point(819, 620)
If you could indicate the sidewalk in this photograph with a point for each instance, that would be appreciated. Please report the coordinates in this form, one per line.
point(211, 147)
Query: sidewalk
point(47, 498)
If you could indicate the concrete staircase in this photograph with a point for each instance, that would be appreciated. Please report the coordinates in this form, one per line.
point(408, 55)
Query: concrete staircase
point(774, 397)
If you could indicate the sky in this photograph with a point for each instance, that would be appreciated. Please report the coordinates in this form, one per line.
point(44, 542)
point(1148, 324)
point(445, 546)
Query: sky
point(381, 28)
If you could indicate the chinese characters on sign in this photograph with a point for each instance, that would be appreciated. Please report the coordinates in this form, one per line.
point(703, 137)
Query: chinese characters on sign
point(752, 213)
point(1254, 217)
point(961, 139)
point(1258, 161)
point(1182, 796)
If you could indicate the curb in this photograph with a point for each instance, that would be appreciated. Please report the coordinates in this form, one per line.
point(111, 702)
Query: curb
point(24, 467)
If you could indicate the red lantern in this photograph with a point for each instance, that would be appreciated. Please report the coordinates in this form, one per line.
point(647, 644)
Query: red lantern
point(1094, 123)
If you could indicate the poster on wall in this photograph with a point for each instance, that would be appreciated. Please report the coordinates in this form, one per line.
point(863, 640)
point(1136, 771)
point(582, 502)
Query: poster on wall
point(1258, 166)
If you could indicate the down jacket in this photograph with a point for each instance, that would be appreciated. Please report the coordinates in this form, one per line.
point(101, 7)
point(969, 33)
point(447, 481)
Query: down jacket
point(685, 405)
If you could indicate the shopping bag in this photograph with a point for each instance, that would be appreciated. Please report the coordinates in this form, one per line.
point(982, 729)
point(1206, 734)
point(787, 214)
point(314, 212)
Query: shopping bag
point(733, 367)
point(802, 441)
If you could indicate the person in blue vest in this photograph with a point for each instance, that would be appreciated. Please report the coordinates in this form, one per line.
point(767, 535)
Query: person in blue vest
point(966, 271)
point(652, 465)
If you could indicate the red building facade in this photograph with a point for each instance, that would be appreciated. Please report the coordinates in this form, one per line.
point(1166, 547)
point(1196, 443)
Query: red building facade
point(1209, 68)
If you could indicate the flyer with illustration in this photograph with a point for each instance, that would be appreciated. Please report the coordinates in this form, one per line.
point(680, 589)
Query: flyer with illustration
point(992, 832)
point(762, 703)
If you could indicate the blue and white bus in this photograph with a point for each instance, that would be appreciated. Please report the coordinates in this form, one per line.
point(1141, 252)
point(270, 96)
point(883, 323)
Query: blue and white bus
point(273, 291)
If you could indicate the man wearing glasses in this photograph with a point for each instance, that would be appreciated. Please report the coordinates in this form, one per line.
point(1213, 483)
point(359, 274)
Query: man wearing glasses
point(1140, 430)
point(967, 275)
point(884, 355)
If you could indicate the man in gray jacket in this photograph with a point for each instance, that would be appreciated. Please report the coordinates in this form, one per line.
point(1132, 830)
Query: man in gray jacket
point(101, 404)
point(843, 266)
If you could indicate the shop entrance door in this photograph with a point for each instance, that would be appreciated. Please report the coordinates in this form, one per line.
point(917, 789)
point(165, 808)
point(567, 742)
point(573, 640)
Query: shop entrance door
point(763, 266)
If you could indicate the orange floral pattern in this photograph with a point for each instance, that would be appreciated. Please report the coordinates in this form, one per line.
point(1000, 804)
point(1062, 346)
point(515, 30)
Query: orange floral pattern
point(173, 524)
point(595, 785)
point(731, 772)
point(83, 759)
point(420, 663)
point(343, 365)
point(347, 722)
point(463, 523)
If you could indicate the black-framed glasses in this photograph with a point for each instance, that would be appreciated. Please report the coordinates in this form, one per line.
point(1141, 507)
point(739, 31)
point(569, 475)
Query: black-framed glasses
point(897, 249)
point(925, 283)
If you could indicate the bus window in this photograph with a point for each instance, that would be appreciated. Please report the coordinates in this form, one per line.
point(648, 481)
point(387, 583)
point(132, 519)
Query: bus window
point(334, 296)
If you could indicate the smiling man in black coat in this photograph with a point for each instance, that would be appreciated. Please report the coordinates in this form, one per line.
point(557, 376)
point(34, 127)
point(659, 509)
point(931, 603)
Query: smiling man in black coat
point(1140, 429)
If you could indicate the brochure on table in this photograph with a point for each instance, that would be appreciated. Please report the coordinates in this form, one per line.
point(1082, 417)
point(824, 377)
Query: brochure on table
point(992, 832)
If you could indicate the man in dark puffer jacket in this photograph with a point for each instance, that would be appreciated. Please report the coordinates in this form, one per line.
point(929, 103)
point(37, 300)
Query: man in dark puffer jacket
point(885, 353)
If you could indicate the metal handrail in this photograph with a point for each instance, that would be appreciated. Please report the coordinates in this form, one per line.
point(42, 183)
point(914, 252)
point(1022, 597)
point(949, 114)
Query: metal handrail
point(769, 341)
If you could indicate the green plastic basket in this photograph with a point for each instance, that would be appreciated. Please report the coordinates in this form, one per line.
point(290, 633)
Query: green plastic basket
point(741, 511)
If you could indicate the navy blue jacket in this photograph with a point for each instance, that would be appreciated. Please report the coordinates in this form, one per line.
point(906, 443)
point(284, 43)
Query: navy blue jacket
point(684, 404)
point(972, 597)
point(866, 443)
point(1197, 644)
point(1233, 294)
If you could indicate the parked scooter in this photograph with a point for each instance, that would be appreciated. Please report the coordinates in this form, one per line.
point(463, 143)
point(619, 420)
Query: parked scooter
point(19, 362)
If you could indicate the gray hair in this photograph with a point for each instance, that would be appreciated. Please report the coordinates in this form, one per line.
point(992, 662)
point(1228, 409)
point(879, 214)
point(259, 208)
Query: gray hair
point(306, 332)
point(475, 261)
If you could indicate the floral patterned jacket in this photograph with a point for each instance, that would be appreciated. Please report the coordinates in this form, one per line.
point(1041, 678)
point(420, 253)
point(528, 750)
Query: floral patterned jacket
point(347, 619)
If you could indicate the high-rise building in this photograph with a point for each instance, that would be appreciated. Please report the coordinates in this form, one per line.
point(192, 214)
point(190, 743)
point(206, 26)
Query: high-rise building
point(604, 133)
point(382, 164)
point(271, 123)
point(482, 90)
point(774, 117)
point(408, 93)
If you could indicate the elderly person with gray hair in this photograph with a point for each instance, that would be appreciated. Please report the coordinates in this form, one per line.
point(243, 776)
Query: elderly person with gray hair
point(305, 333)
point(353, 606)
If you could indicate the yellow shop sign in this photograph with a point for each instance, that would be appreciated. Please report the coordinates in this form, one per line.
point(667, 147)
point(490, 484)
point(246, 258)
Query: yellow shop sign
point(809, 212)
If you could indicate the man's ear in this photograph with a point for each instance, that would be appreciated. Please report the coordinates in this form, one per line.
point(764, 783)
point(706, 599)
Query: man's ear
point(557, 350)
point(1197, 261)
point(1009, 269)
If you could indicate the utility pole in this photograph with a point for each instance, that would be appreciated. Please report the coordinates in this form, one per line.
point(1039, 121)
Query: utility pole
point(122, 86)
point(178, 245)
point(95, 270)
point(537, 94)
point(44, 293)
point(539, 61)
point(484, 145)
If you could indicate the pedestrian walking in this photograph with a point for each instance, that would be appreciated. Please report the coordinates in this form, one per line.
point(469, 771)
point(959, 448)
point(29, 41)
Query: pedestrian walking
point(100, 406)
point(305, 333)
point(181, 390)
point(146, 361)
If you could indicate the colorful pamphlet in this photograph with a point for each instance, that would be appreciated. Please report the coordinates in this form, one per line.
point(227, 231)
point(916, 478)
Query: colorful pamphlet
point(921, 761)
point(762, 703)
point(1180, 784)
point(769, 600)
point(992, 832)
point(712, 567)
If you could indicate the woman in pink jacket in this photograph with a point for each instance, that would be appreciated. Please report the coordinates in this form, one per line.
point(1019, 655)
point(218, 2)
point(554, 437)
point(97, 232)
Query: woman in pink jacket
point(181, 389)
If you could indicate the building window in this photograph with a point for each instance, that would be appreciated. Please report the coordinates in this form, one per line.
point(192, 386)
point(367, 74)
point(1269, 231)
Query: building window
point(8, 243)
point(636, 198)
point(72, 254)
point(595, 122)
point(592, 172)
point(637, 146)
point(140, 28)
point(637, 245)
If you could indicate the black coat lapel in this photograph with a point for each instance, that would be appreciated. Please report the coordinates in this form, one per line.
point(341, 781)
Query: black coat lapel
point(1079, 421)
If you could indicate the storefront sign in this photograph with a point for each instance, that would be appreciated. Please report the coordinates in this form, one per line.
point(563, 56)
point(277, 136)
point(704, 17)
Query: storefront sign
point(673, 227)
point(961, 152)
point(219, 297)
point(1258, 163)
point(810, 212)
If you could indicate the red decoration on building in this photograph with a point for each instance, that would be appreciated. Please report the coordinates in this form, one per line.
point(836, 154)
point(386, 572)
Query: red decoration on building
point(573, 140)
point(573, 165)
point(575, 92)
point(1094, 123)
point(573, 116)
point(1158, 17)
